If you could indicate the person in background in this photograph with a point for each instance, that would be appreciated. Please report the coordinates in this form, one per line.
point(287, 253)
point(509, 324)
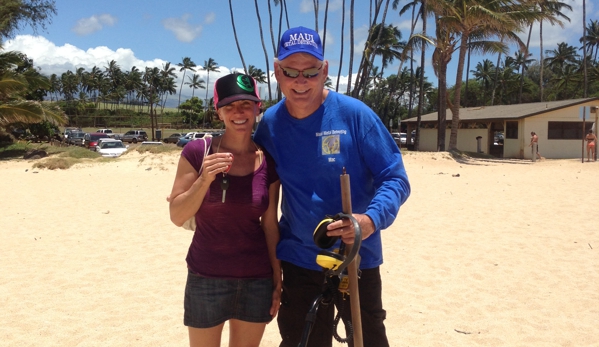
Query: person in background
point(233, 274)
point(534, 143)
point(591, 140)
point(313, 134)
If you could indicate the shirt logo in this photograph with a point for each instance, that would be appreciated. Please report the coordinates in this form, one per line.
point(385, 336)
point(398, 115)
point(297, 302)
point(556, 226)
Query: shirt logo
point(330, 145)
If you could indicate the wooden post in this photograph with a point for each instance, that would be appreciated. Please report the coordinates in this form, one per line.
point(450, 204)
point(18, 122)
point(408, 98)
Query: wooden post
point(354, 294)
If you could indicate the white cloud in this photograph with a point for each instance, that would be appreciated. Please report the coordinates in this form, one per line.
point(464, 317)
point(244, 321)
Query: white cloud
point(53, 59)
point(306, 6)
point(183, 31)
point(335, 5)
point(210, 18)
point(86, 26)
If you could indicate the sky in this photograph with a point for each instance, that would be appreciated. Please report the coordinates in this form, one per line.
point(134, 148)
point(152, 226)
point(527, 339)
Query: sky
point(150, 33)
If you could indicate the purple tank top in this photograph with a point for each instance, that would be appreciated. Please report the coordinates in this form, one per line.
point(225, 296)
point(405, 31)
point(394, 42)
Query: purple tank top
point(228, 241)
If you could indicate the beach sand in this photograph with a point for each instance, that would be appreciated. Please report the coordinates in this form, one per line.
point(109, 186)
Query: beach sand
point(505, 254)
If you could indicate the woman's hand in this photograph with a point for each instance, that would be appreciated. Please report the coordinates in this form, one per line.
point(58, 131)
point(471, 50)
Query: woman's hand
point(216, 163)
point(276, 299)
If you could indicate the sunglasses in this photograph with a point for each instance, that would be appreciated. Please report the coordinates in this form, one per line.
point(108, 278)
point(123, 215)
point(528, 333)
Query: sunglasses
point(308, 73)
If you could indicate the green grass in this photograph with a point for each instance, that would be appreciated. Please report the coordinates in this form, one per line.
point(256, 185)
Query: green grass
point(166, 148)
point(13, 150)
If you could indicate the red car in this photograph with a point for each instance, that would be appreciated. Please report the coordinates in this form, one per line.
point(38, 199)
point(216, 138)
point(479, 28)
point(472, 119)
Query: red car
point(90, 140)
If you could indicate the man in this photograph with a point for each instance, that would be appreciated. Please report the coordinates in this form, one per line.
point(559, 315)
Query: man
point(313, 134)
point(534, 143)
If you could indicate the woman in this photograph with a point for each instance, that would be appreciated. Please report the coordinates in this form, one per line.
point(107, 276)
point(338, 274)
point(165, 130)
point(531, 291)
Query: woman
point(590, 139)
point(233, 273)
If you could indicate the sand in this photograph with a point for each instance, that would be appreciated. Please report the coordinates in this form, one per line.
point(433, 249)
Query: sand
point(505, 254)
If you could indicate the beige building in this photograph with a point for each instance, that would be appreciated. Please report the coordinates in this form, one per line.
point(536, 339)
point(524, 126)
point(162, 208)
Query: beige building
point(504, 131)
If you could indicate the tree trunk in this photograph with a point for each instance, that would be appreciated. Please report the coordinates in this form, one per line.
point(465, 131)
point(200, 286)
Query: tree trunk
point(236, 39)
point(584, 45)
point(315, 2)
point(455, 110)
point(351, 44)
point(421, 88)
point(265, 52)
point(496, 77)
point(342, 36)
point(442, 108)
point(523, 67)
point(541, 62)
point(324, 30)
point(466, 103)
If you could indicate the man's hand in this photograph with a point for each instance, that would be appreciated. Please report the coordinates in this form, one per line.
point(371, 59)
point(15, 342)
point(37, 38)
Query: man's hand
point(345, 228)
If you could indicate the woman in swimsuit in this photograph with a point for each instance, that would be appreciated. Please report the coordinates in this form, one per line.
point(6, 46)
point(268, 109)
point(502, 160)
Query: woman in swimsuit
point(590, 139)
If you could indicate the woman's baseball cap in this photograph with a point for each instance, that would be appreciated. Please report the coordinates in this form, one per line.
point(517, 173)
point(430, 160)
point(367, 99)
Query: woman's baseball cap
point(234, 87)
point(300, 40)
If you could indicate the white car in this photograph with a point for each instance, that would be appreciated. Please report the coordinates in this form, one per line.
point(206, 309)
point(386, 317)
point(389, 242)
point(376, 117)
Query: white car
point(111, 149)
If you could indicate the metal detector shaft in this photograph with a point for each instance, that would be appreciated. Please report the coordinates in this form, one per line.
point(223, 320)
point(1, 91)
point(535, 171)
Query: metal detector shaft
point(354, 294)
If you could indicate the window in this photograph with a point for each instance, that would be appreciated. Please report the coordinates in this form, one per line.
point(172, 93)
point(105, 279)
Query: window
point(511, 130)
point(567, 130)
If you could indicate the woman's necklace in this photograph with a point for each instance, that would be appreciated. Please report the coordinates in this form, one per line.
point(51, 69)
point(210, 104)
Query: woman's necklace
point(224, 184)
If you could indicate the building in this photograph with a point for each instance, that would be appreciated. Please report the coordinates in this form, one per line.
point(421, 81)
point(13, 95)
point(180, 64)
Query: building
point(504, 131)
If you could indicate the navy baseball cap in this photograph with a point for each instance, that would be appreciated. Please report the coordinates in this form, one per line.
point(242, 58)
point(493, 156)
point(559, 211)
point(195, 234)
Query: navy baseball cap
point(234, 87)
point(300, 40)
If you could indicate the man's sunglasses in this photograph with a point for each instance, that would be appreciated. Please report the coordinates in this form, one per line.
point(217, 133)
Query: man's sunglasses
point(308, 73)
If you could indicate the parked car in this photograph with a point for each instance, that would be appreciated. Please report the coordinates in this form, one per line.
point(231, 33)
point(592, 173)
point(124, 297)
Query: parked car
point(68, 130)
point(134, 136)
point(75, 138)
point(90, 140)
point(401, 139)
point(111, 148)
point(174, 138)
point(105, 139)
point(191, 137)
point(183, 141)
point(110, 133)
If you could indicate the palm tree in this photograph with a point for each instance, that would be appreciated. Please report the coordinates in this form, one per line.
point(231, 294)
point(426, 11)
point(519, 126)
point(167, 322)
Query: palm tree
point(522, 60)
point(152, 81)
point(387, 45)
point(592, 39)
point(549, 10)
point(209, 65)
point(14, 86)
point(482, 20)
point(195, 82)
point(167, 83)
point(560, 57)
point(483, 73)
point(257, 74)
point(186, 64)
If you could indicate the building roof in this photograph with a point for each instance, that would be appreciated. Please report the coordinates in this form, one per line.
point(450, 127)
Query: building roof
point(502, 112)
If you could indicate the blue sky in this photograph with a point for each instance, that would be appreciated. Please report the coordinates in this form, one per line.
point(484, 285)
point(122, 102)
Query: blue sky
point(151, 33)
